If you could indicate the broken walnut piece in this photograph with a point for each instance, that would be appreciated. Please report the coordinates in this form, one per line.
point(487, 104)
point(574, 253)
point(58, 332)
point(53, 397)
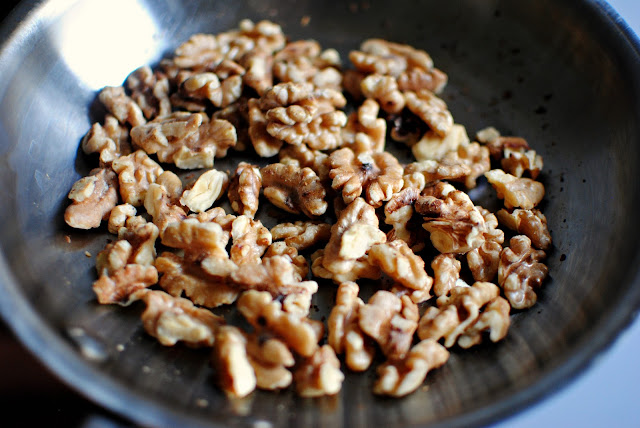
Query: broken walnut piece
point(175, 319)
point(150, 91)
point(483, 261)
point(302, 235)
point(376, 176)
point(295, 190)
point(475, 156)
point(519, 162)
point(270, 358)
point(402, 377)
point(207, 189)
point(121, 106)
point(385, 57)
point(494, 319)
point(400, 263)
point(531, 223)
point(162, 209)
point(398, 214)
point(304, 61)
point(431, 109)
point(207, 85)
point(235, 374)
point(521, 272)
point(319, 374)
point(250, 240)
point(426, 173)
point(384, 91)
point(110, 140)
point(124, 285)
point(433, 146)
point(298, 261)
point(119, 216)
point(418, 78)
point(135, 173)
point(92, 199)
point(199, 241)
point(244, 189)
point(303, 157)
point(365, 131)
point(446, 273)
point(517, 192)
point(263, 143)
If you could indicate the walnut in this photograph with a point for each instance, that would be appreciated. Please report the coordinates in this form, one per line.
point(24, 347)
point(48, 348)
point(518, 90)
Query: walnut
point(201, 242)
point(364, 131)
point(431, 109)
point(419, 78)
point(483, 261)
point(142, 237)
point(304, 61)
point(175, 319)
point(454, 223)
point(523, 193)
point(390, 321)
point(476, 157)
point(384, 90)
point(303, 157)
point(172, 184)
point(205, 191)
point(162, 210)
point(396, 259)
point(259, 71)
point(121, 106)
point(400, 378)
point(180, 276)
point(150, 91)
point(244, 189)
point(238, 115)
point(531, 223)
point(302, 234)
point(119, 216)
point(263, 143)
point(446, 273)
point(250, 240)
point(405, 127)
point(351, 81)
point(115, 256)
point(200, 51)
point(456, 312)
point(345, 335)
point(264, 313)
point(266, 35)
point(494, 318)
point(358, 269)
point(269, 358)
point(376, 175)
point(92, 199)
point(519, 162)
point(135, 173)
point(124, 285)
point(110, 140)
point(233, 368)
point(299, 262)
point(433, 146)
point(497, 144)
point(189, 140)
point(208, 86)
point(293, 189)
point(398, 213)
point(384, 57)
point(319, 374)
point(521, 272)
point(425, 173)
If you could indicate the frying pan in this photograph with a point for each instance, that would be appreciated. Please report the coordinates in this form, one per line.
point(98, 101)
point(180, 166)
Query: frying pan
point(564, 74)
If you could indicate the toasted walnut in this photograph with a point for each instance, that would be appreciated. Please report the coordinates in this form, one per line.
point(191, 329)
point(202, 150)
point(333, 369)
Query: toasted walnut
point(302, 234)
point(189, 140)
point(384, 90)
point(454, 223)
point(238, 115)
point(419, 78)
point(293, 189)
point(208, 86)
point(483, 261)
point(266, 35)
point(304, 61)
point(299, 262)
point(456, 312)
point(124, 285)
point(92, 199)
point(270, 358)
point(384, 57)
point(250, 240)
point(119, 216)
point(217, 215)
point(175, 319)
point(420, 175)
point(406, 128)
point(434, 147)
point(162, 210)
point(358, 269)
point(121, 106)
point(523, 193)
point(396, 259)
point(135, 173)
point(497, 144)
point(233, 368)
point(172, 184)
point(200, 241)
point(115, 256)
point(150, 91)
point(319, 374)
point(263, 143)
point(345, 335)
point(205, 191)
point(446, 273)
point(301, 334)
point(351, 81)
point(244, 189)
point(521, 272)
point(364, 131)
point(200, 51)
point(431, 109)
point(303, 157)
point(476, 157)
point(390, 321)
point(494, 318)
point(259, 71)
point(180, 276)
point(376, 175)
point(399, 214)
point(531, 223)
point(400, 378)
point(142, 237)
point(518, 163)
point(110, 140)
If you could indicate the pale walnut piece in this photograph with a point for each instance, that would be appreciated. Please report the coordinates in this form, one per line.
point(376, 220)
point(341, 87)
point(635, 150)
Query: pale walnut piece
point(384, 90)
point(521, 272)
point(305, 61)
point(531, 223)
point(319, 374)
point(110, 140)
point(189, 140)
point(400, 263)
point(391, 321)
point(376, 176)
point(263, 143)
point(398, 213)
point(302, 235)
point(135, 173)
point(494, 319)
point(517, 192)
point(115, 256)
point(161, 208)
point(124, 285)
point(434, 147)
point(119, 216)
point(423, 174)
point(175, 319)
point(205, 191)
point(207, 86)
point(519, 162)
point(456, 312)
point(365, 131)
point(446, 273)
point(476, 157)
point(394, 59)
point(483, 261)
point(201, 242)
point(299, 262)
point(270, 359)
point(497, 144)
point(400, 378)
point(150, 91)
point(250, 240)
point(182, 277)
point(293, 189)
point(264, 313)
point(142, 236)
point(431, 109)
point(92, 199)
point(344, 333)
point(234, 372)
point(454, 223)
point(244, 189)
point(172, 184)
point(303, 157)
point(121, 106)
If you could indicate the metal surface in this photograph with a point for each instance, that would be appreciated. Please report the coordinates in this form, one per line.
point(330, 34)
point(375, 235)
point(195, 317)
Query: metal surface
point(563, 74)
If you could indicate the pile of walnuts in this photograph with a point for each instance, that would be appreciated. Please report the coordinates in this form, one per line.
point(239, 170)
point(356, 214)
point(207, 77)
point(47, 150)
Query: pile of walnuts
point(354, 211)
